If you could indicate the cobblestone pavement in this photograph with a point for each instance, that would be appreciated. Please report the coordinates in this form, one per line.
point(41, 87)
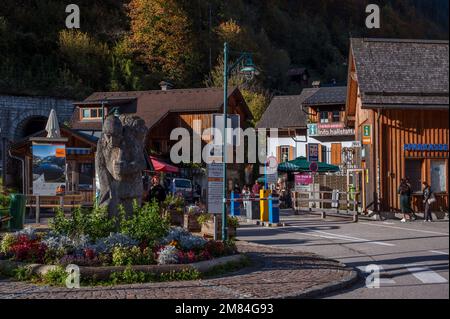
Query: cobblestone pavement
point(275, 273)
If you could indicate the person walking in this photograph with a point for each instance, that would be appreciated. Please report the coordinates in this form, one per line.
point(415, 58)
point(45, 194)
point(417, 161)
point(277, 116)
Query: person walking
point(157, 192)
point(405, 192)
point(428, 199)
point(412, 212)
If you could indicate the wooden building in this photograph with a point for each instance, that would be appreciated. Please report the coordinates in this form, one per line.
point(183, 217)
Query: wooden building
point(398, 101)
point(327, 127)
point(163, 111)
point(80, 166)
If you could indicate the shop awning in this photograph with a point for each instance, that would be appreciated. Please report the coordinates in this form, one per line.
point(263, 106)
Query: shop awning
point(301, 164)
point(161, 166)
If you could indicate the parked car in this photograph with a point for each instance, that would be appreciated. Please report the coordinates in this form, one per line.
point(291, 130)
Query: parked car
point(183, 187)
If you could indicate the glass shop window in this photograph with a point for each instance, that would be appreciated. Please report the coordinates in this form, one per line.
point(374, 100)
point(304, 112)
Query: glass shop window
point(86, 176)
point(438, 176)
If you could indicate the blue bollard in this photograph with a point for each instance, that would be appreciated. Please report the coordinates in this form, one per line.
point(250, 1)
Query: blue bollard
point(235, 206)
point(274, 210)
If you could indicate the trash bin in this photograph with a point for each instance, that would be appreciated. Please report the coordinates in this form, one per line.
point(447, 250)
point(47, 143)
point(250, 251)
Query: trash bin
point(17, 211)
point(352, 190)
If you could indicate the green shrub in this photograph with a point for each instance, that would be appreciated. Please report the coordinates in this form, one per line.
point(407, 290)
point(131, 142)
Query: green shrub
point(124, 256)
point(96, 223)
point(6, 243)
point(130, 276)
point(22, 273)
point(5, 200)
point(55, 277)
point(146, 224)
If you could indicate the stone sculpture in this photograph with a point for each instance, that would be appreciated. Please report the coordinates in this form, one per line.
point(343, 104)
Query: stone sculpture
point(119, 163)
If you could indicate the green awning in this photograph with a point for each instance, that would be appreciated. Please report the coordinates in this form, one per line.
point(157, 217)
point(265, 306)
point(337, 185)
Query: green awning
point(302, 165)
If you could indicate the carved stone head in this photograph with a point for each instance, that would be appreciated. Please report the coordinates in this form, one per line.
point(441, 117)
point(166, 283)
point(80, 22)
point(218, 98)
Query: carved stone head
point(113, 131)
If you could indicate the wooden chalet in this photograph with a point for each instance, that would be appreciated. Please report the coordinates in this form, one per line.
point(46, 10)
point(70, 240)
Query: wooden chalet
point(398, 101)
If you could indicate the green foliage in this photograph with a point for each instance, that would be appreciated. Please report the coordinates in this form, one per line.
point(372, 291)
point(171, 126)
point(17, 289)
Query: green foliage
point(124, 256)
point(96, 223)
point(203, 219)
point(7, 241)
point(130, 276)
point(55, 277)
point(5, 200)
point(135, 46)
point(233, 221)
point(22, 273)
point(146, 224)
point(173, 202)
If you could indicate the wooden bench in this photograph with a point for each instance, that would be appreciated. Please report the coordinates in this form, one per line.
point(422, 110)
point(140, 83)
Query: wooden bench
point(4, 218)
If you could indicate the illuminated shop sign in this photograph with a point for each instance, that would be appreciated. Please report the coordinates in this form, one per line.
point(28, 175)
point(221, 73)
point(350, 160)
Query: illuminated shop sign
point(427, 147)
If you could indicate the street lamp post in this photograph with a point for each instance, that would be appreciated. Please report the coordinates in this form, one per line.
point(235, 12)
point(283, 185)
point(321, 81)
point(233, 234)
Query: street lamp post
point(248, 70)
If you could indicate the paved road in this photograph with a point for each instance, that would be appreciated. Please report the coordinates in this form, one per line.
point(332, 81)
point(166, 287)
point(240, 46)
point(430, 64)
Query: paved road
point(413, 257)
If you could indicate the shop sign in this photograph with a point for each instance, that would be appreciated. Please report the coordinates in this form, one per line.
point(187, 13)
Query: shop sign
point(426, 147)
point(367, 134)
point(330, 129)
point(303, 179)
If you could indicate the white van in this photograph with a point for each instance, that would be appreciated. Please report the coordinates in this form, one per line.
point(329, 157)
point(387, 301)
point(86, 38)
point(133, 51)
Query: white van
point(183, 187)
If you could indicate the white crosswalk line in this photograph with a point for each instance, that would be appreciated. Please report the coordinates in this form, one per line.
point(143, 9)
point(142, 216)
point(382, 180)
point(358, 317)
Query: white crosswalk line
point(425, 274)
point(350, 238)
point(438, 252)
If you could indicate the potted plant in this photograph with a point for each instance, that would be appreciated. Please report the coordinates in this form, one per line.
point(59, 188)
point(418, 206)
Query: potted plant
point(191, 216)
point(207, 223)
point(173, 209)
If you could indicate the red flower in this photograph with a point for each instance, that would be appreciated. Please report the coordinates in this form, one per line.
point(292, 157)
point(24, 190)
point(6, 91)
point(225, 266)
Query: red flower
point(191, 256)
point(89, 253)
point(26, 249)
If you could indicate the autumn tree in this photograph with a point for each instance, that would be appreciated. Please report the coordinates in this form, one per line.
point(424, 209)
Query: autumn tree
point(161, 38)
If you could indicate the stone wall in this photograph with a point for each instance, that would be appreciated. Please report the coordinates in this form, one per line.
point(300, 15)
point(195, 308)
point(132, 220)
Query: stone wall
point(16, 112)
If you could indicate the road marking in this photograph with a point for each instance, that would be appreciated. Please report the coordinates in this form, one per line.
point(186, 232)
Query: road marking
point(350, 238)
point(326, 235)
point(403, 228)
point(425, 274)
point(438, 252)
point(388, 223)
point(383, 281)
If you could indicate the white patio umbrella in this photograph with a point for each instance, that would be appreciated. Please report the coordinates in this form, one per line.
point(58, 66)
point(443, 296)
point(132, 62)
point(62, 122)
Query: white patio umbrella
point(52, 126)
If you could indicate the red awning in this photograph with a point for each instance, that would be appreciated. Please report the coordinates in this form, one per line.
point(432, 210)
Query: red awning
point(161, 166)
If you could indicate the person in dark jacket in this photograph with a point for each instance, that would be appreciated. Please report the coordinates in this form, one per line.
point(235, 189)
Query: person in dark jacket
point(412, 212)
point(404, 190)
point(427, 195)
point(156, 192)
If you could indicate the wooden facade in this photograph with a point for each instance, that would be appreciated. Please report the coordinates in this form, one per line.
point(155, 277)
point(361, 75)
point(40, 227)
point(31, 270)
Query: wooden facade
point(398, 119)
point(399, 128)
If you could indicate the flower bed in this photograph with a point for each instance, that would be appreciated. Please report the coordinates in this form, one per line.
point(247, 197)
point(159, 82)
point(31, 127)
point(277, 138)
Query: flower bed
point(92, 239)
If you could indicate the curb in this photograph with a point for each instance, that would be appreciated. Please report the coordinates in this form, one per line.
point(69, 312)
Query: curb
point(323, 289)
point(7, 266)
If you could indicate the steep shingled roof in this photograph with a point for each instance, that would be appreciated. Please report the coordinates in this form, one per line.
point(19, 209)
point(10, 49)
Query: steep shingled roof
point(328, 96)
point(402, 73)
point(286, 111)
point(154, 105)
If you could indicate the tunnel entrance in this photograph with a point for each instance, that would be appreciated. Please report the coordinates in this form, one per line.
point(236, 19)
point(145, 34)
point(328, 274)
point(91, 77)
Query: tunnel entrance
point(32, 125)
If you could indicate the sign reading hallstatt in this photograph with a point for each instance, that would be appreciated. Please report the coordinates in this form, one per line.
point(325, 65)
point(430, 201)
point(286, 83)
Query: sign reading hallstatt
point(49, 168)
point(313, 152)
point(367, 134)
point(215, 188)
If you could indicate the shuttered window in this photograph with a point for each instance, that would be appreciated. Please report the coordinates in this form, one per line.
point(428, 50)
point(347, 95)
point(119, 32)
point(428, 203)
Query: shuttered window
point(336, 154)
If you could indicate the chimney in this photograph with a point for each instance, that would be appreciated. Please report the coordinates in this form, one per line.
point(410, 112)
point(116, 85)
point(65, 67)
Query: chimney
point(166, 85)
point(316, 84)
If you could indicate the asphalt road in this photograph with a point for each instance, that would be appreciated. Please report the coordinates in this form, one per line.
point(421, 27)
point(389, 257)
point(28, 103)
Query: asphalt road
point(412, 258)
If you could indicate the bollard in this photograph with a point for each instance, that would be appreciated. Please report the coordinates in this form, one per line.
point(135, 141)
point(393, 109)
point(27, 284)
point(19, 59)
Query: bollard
point(264, 205)
point(274, 209)
point(323, 215)
point(235, 209)
point(355, 217)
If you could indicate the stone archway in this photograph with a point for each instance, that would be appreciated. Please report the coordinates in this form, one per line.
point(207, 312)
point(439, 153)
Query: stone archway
point(30, 123)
